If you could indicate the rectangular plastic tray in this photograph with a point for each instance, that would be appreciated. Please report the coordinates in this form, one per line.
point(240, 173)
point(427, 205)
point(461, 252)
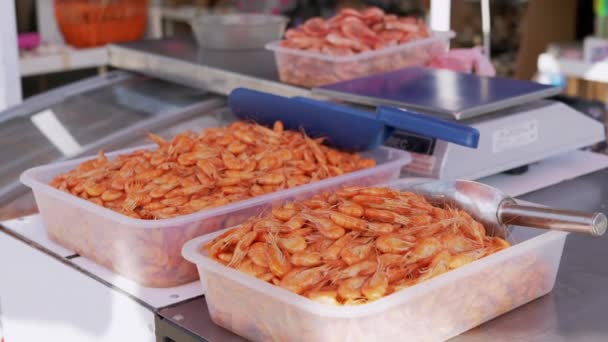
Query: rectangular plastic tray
point(149, 251)
point(310, 69)
point(434, 310)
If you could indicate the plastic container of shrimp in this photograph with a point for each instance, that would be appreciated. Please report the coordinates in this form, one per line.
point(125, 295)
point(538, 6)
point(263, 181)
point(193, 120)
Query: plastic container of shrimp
point(149, 251)
point(310, 69)
point(433, 310)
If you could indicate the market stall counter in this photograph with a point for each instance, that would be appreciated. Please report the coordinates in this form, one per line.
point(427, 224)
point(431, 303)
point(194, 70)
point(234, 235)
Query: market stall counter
point(573, 310)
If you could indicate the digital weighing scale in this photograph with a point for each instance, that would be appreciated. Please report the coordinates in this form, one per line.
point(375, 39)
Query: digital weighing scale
point(517, 124)
point(126, 311)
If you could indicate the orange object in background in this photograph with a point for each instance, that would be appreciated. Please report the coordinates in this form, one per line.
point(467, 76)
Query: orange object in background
point(88, 23)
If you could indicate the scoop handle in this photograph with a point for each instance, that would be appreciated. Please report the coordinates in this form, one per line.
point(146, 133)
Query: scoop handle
point(554, 219)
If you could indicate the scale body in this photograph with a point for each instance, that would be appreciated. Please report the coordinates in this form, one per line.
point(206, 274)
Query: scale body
point(517, 124)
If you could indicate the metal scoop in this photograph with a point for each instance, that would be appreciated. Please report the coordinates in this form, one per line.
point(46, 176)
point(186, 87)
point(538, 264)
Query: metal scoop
point(495, 210)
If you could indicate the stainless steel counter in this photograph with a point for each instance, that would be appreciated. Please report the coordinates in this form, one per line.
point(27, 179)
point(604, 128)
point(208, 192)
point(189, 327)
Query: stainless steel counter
point(574, 311)
point(181, 61)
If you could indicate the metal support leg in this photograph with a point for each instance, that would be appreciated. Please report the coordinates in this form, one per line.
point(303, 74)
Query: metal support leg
point(440, 15)
point(10, 78)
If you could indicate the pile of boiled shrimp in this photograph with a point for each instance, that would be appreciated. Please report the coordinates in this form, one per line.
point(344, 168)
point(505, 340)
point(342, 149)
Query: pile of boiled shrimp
point(352, 31)
point(191, 172)
point(354, 245)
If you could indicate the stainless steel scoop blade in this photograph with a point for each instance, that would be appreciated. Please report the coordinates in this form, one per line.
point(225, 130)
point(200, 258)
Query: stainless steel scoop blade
point(497, 211)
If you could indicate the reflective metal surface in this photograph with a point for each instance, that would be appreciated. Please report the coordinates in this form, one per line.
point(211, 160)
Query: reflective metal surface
point(104, 112)
point(574, 311)
point(183, 62)
point(497, 211)
point(441, 92)
point(571, 221)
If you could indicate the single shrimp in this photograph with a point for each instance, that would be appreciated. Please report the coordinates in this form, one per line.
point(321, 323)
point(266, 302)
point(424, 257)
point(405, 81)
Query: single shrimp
point(348, 222)
point(316, 150)
point(351, 209)
point(338, 39)
point(457, 243)
point(158, 140)
point(365, 267)
point(306, 259)
point(324, 296)
point(181, 143)
point(236, 147)
point(111, 195)
point(333, 251)
point(190, 158)
point(242, 247)
point(164, 212)
point(376, 286)
point(268, 163)
point(396, 273)
point(285, 212)
point(435, 227)
point(278, 127)
point(464, 258)
point(355, 253)
point(474, 230)
point(401, 26)
point(334, 157)
point(245, 137)
point(393, 244)
point(277, 262)
point(249, 267)
point(382, 192)
point(315, 204)
point(389, 259)
point(224, 257)
point(293, 243)
point(154, 206)
point(306, 233)
point(300, 280)
point(385, 216)
point(257, 254)
point(320, 245)
point(368, 200)
point(268, 225)
point(351, 288)
point(294, 223)
point(496, 244)
point(227, 181)
point(93, 189)
point(231, 162)
point(423, 249)
point(174, 201)
point(284, 155)
point(325, 226)
point(271, 179)
point(380, 228)
point(222, 242)
point(208, 168)
point(439, 264)
point(349, 192)
point(372, 14)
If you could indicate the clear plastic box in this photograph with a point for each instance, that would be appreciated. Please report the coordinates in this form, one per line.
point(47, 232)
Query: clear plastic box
point(310, 69)
point(434, 310)
point(237, 31)
point(149, 251)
